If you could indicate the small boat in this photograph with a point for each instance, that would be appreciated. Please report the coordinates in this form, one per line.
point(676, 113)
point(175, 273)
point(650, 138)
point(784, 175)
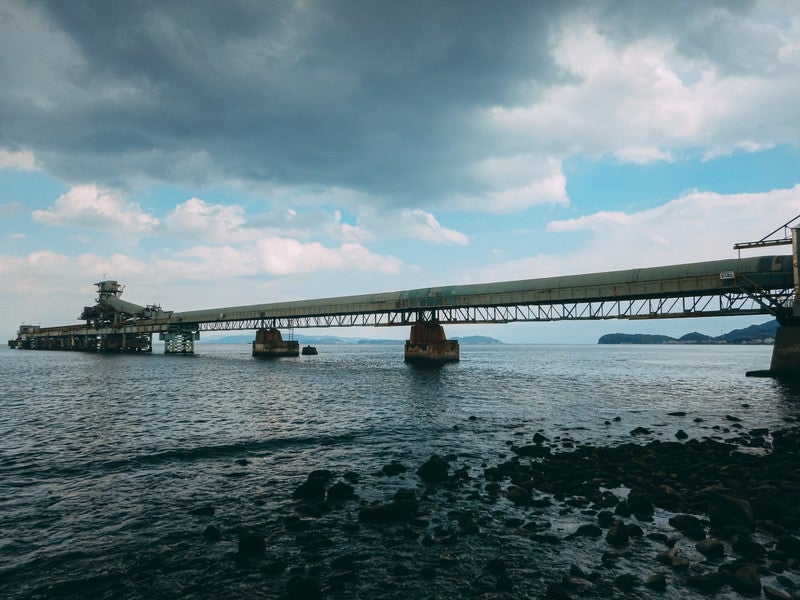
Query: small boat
point(309, 351)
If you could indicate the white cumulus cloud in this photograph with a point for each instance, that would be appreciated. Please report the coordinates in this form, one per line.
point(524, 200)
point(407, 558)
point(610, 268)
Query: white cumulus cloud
point(94, 207)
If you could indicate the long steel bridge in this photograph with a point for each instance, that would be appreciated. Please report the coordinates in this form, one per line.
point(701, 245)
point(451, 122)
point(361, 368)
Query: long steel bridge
point(740, 286)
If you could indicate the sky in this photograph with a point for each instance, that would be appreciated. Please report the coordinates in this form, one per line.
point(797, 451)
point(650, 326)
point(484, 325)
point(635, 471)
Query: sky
point(209, 154)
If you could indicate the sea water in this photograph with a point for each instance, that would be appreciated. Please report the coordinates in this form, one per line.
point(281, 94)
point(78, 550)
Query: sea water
point(113, 466)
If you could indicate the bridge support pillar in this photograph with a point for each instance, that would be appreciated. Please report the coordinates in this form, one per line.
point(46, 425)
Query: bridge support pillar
point(786, 352)
point(180, 341)
point(270, 344)
point(427, 345)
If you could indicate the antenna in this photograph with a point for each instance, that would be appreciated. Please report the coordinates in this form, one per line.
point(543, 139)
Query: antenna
point(767, 240)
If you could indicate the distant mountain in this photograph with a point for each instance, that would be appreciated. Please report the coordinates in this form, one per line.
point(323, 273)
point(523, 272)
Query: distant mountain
point(246, 338)
point(755, 334)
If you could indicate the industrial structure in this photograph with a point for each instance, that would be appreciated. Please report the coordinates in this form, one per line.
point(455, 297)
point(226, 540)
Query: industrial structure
point(741, 286)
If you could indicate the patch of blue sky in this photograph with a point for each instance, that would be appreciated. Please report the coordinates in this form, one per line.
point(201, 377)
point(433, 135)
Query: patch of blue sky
point(612, 185)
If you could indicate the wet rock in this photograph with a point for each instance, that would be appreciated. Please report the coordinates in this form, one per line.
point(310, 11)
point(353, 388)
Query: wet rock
point(496, 566)
point(657, 583)
point(707, 583)
point(749, 549)
point(434, 470)
point(640, 431)
point(711, 548)
point(394, 468)
point(340, 492)
point(746, 580)
point(390, 512)
point(681, 434)
point(538, 438)
point(672, 559)
point(729, 512)
point(531, 451)
point(618, 535)
point(303, 587)
point(641, 506)
point(627, 582)
point(556, 591)
point(605, 519)
point(251, 544)
point(789, 545)
point(518, 495)
point(588, 530)
point(312, 489)
point(351, 477)
point(688, 525)
point(212, 534)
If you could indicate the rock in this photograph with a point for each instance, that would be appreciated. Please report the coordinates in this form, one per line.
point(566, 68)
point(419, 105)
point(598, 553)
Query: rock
point(789, 545)
point(434, 470)
point(627, 581)
point(657, 583)
point(312, 489)
point(618, 535)
point(588, 530)
point(556, 591)
point(303, 587)
point(641, 506)
point(532, 451)
point(397, 510)
point(640, 431)
point(711, 548)
point(212, 534)
point(708, 583)
point(728, 512)
point(251, 544)
point(671, 558)
point(749, 549)
point(605, 519)
point(352, 476)
point(690, 526)
point(340, 492)
point(538, 438)
point(518, 495)
point(393, 468)
point(681, 434)
point(496, 566)
point(746, 580)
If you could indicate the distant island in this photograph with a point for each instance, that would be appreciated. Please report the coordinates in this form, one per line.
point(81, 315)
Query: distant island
point(336, 340)
point(755, 334)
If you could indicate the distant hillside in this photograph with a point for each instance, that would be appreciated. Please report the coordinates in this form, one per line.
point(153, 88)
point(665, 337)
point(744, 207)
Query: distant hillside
point(755, 334)
point(246, 338)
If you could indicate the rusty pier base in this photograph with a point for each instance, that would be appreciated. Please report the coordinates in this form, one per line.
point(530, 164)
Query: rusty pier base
point(429, 346)
point(270, 344)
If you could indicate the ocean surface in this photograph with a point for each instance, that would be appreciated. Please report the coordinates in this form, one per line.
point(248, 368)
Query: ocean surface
point(113, 467)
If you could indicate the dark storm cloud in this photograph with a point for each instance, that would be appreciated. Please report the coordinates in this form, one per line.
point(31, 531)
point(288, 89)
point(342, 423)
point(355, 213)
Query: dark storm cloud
point(375, 96)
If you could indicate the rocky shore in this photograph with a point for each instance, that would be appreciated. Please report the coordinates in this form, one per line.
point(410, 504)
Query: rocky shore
point(554, 519)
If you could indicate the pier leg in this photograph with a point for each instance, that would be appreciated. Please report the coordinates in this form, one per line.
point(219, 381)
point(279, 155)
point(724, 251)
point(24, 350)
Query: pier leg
point(786, 352)
point(270, 344)
point(179, 342)
point(427, 345)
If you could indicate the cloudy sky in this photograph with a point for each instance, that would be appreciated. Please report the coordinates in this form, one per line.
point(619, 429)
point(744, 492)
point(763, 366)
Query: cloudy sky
point(220, 153)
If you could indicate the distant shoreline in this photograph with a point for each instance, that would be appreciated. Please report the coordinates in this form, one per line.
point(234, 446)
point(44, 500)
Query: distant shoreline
point(763, 334)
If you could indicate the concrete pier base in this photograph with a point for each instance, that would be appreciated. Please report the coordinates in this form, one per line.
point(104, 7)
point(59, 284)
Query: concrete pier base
point(270, 344)
point(785, 355)
point(429, 346)
point(179, 342)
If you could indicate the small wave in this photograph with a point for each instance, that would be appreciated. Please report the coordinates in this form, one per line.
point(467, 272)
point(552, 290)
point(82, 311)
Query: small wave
point(32, 469)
